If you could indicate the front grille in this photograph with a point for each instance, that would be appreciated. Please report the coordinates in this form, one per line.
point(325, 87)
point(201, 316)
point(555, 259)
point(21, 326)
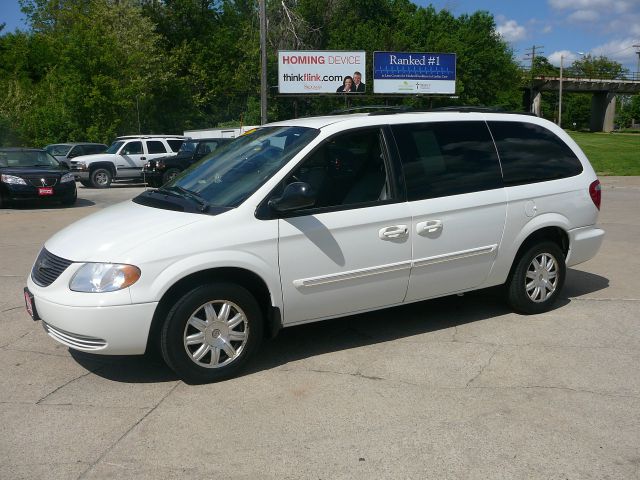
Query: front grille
point(73, 340)
point(42, 181)
point(48, 268)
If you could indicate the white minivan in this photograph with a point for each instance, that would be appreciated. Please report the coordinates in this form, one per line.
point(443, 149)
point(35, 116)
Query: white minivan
point(315, 218)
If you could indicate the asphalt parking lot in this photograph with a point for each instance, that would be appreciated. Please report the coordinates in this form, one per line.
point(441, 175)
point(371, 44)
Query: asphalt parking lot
point(457, 387)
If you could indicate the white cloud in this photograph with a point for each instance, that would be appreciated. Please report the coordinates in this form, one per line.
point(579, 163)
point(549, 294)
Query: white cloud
point(511, 31)
point(569, 57)
point(620, 50)
point(582, 4)
point(547, 29)
point(584, 16)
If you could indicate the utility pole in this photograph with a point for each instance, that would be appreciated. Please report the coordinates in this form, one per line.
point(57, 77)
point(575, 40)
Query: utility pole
point(637, 47)
point(531, 52)
point(560, 92)
point(263, 62)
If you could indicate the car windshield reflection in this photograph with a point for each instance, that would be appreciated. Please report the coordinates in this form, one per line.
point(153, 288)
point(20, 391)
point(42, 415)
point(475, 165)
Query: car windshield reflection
point(229, 176)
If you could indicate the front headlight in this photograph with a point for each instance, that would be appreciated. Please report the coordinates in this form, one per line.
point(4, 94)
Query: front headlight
point(104, 277)
point(67, 177)
point(13, 180)
point(79, 165)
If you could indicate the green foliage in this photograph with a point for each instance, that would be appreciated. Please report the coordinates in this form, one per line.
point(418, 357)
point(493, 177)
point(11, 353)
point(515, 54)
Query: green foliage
point(93, 69)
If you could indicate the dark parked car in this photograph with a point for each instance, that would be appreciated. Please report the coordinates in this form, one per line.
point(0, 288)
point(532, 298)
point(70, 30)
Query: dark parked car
point(33, 174)
point(64, 152)
point(159, 171)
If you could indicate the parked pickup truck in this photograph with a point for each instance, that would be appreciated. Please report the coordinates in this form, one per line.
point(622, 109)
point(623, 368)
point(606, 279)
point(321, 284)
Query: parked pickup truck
point(160, 170)
point(124, 159)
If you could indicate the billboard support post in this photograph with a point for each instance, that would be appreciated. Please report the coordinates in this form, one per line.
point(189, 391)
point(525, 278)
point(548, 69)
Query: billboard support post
point(263, 62)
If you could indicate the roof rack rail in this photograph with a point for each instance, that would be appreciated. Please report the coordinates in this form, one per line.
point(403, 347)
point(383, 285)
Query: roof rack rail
point(373, 109)
point(476, 109)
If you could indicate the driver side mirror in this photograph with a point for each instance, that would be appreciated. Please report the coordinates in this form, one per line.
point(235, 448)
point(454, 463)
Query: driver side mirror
point(296, 195)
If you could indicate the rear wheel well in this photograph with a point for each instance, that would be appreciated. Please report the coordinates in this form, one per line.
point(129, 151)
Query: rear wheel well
point(548, 234)
point(107, 165)
point(245, 278)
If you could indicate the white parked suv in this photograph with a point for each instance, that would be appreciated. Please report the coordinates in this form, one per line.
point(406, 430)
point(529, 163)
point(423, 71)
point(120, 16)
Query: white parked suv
point(124, 159)
point(310, 219)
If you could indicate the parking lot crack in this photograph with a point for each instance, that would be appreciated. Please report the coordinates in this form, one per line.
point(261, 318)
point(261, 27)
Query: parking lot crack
point(550, 387)
point(11, 308)
point(14, 340)
point(483, 368)
point(69, 382)
point(129, 430)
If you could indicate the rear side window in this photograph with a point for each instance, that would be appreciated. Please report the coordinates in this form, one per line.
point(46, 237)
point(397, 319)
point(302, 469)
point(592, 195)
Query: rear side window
point(175, 144)
point(530, 153)
point(447, 158)
point(132, 148)
point(156, 146)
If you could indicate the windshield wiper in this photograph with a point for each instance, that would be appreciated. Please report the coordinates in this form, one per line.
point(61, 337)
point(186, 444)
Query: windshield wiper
point(183, 192)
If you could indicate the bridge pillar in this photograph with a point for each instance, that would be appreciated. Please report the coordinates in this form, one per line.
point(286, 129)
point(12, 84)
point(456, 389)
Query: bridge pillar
point(537, 103)
point(603, 110)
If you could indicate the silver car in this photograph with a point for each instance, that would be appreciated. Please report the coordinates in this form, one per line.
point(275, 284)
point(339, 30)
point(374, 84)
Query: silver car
point(64, 152)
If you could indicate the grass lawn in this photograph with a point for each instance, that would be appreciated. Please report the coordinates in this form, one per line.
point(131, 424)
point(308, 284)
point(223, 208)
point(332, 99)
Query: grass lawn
point(611, 153)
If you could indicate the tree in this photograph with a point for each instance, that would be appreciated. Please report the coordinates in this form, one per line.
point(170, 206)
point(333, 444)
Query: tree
point(598, 67)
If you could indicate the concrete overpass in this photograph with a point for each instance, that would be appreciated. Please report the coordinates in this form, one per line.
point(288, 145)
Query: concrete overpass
point(603, 100)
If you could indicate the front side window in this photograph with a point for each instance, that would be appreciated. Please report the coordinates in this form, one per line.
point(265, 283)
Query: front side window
point(189, 146)
point(132, 148)
point(227, 178)
point(347, 170)
point(447, 158)
point(156, 146)
point(530, 153)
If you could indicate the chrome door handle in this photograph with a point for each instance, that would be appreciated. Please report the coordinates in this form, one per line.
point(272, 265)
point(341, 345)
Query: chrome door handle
point(395, 231)
point(429, 226)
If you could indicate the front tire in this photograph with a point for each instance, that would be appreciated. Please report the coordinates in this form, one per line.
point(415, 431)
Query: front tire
point(537, 279)
point(100, 178)
point(211, 332)
point(169, 175)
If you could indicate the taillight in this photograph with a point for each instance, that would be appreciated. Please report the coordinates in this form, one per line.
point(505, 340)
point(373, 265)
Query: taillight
point(596, 194)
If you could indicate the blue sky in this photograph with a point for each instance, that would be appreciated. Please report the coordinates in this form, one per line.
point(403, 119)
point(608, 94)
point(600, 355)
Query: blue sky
point(562, 27)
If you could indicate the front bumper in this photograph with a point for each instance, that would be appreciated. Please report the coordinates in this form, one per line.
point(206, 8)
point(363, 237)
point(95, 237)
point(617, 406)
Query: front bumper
point(28, 192)
point(584, 243)
point(106, 330)
point(81, 174)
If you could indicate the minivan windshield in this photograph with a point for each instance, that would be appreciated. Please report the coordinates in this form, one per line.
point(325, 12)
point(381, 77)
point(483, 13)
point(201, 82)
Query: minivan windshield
point(227, 178)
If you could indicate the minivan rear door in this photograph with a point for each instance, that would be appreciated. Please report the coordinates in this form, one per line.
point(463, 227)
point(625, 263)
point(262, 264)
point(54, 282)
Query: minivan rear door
point(457, 204)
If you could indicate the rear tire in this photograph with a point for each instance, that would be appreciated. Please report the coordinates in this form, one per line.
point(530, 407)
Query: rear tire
point(85, 183)
point(211, 332)
point(537, 279)
point(100, 178)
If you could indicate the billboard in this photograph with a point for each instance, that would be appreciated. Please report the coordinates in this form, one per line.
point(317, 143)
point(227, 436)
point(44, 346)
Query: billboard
point(414, 73)
point(321, 71)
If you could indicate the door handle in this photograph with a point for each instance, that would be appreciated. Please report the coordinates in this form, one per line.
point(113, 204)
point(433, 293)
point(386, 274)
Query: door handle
point(429, 226)
point(143, 158)
point(395, 231)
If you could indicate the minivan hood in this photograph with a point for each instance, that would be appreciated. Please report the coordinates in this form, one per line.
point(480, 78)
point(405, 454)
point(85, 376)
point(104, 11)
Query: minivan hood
point(107, 235)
